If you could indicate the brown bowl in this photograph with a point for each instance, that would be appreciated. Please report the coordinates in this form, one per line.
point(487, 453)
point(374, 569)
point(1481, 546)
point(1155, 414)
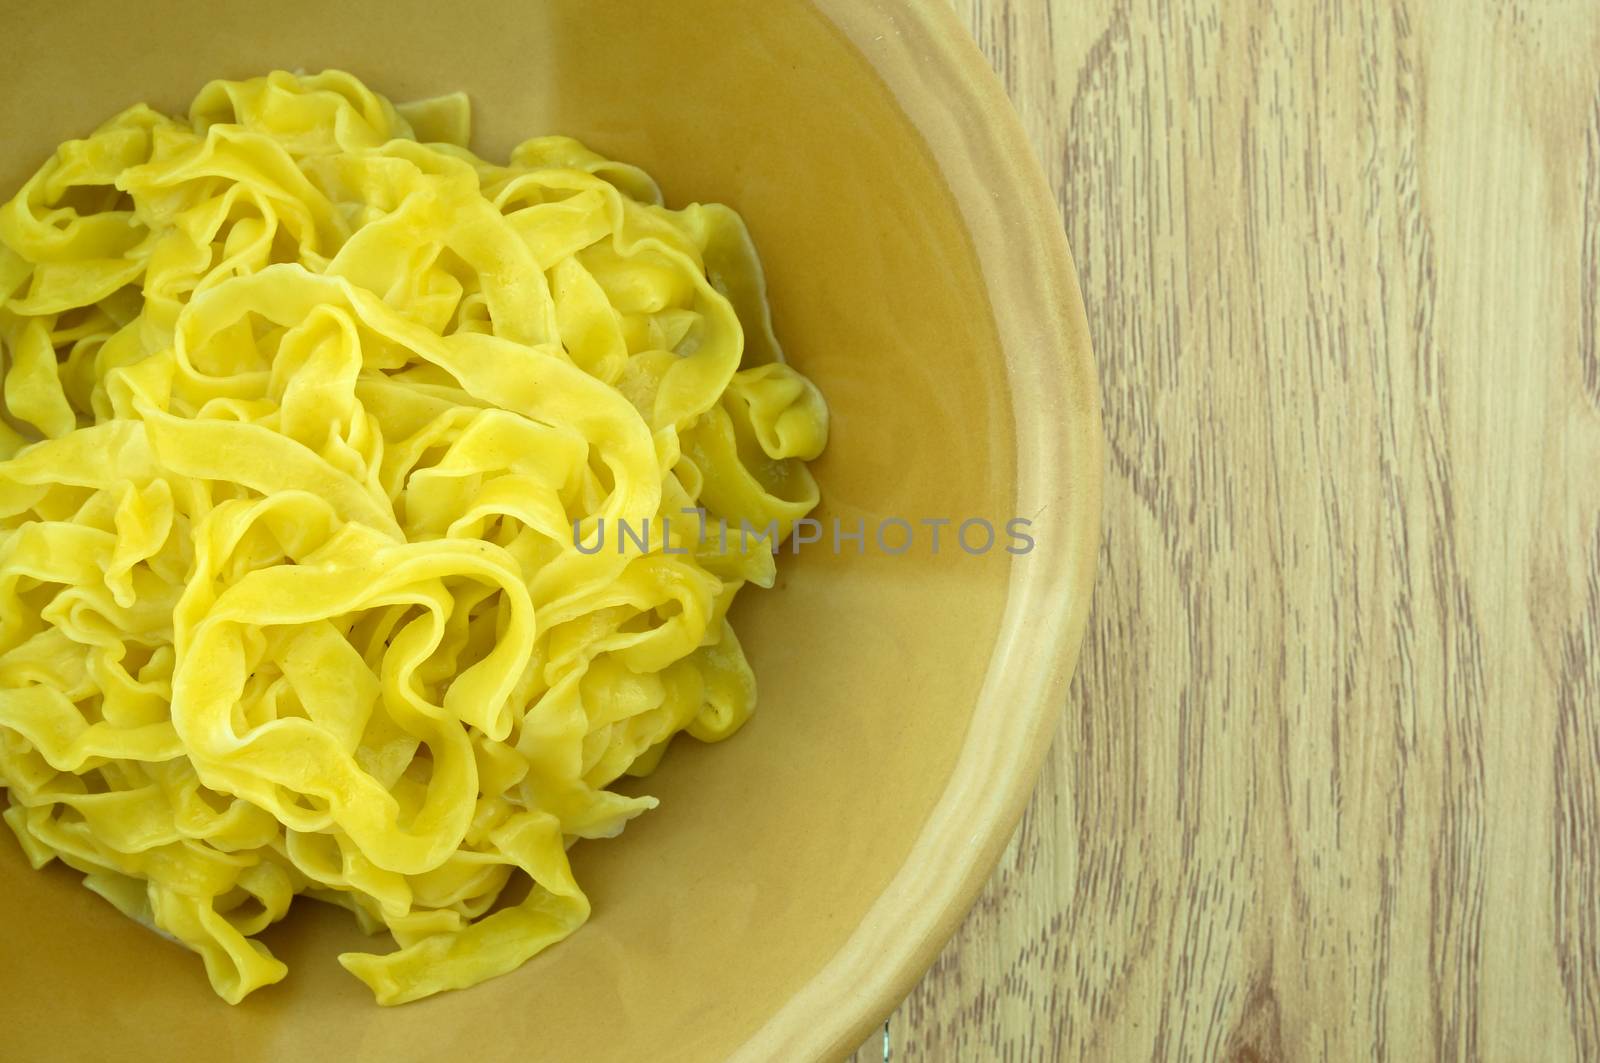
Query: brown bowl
point(797, 879)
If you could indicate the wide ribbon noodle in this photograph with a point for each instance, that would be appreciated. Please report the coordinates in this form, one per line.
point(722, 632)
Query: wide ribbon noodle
point(320, 436)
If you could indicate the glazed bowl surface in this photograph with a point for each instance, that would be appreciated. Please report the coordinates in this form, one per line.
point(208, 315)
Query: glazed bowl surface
point(799, 878)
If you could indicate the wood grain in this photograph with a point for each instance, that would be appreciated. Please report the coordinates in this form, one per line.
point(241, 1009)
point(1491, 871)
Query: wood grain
point(1328, 783)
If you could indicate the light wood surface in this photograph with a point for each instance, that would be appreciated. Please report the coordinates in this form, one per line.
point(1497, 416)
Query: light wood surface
point(1328, 783)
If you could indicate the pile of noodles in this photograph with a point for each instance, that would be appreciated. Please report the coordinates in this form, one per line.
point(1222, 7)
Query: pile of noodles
point(318, 434)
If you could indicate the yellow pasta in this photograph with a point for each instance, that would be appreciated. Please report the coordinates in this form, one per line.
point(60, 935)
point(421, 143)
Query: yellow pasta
point(320, 436)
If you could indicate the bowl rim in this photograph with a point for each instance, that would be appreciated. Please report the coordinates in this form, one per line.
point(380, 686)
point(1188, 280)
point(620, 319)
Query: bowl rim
point(943, 83)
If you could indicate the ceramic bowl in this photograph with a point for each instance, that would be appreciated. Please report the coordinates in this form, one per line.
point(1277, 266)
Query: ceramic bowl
point(799, 878)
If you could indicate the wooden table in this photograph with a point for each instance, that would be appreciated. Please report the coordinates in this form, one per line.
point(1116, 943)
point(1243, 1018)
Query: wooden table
point(1328, 784)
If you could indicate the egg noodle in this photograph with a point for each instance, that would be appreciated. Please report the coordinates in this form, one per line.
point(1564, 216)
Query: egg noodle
point(308, 411)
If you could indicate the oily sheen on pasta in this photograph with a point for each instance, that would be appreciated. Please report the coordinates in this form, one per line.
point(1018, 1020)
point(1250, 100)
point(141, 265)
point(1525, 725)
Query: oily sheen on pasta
point(320, 434)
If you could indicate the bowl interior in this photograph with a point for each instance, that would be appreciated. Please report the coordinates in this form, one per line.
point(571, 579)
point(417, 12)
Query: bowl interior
point(767, 850)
